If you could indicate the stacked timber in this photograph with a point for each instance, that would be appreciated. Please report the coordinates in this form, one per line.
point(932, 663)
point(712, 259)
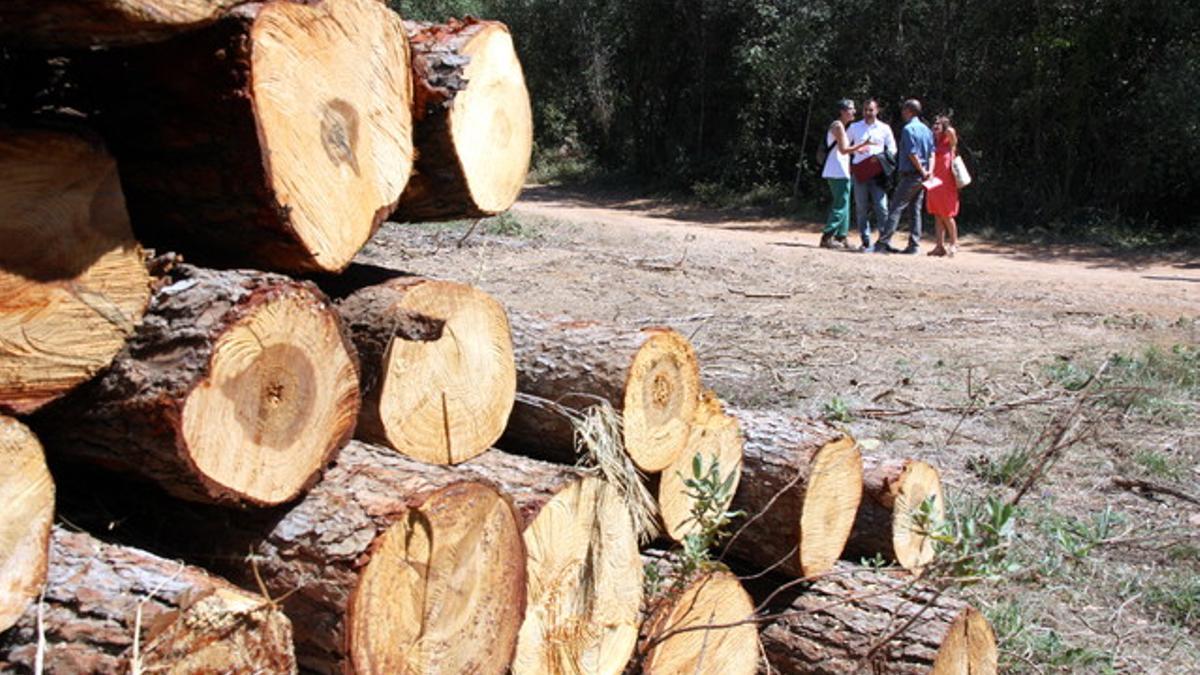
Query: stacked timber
point(473, 122)
point(650, 376)
point(72, 282)
point(50, 24)
point(110, 609)
point(858, 620)
point(902, 500)
point(237, 388)
point(27, 493)
point(706, 626)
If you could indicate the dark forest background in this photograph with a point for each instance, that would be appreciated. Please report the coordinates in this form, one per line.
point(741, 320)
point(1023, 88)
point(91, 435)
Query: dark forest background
point(1073, 114)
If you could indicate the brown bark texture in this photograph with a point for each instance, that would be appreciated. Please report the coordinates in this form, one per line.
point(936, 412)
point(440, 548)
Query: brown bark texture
point(129, 418)
point(114, 609)
point(777, 469)
point(529, 483)
point(858, 620)
point(55, 24)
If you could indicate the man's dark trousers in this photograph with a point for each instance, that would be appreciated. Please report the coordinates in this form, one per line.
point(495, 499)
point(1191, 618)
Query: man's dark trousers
point(908, 193)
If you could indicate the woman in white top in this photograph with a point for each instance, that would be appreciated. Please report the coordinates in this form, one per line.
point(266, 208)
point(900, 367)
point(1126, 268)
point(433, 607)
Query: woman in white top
point(837, 173)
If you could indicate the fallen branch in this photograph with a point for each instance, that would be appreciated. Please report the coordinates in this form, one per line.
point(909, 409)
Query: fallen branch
point(1147, 486)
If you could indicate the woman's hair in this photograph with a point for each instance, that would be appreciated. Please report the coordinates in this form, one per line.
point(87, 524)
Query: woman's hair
point(945, 119)
point(845, 104)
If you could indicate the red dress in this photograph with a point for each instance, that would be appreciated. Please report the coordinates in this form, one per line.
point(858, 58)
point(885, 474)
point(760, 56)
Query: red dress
point(943, 199)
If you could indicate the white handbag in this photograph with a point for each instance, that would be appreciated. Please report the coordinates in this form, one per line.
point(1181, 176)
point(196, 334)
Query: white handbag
point(962, 177)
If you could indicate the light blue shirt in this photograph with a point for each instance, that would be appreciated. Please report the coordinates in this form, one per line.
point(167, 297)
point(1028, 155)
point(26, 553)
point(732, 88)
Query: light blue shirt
point(915, 139)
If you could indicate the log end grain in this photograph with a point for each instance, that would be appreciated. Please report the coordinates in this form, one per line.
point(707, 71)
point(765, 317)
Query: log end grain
point(444, 590)
point(830, 504)
point(662, 390)
point(714, 599)
point(331, 88)
point(448, 399)
point(969, 647)
point(918, 481)
point(280, 396)
point(27, 493)
point(72, 281)
point(585, 584)
point(715, 437)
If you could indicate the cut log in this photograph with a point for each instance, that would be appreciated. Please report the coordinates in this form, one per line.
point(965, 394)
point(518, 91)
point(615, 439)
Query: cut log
point(893, 491)
point(438, 375)
point(237, 388)
point(114, 609)
point(858, 620)
point(715, 437)
point(53, 24)
point(72, 281)
point(650, 376)
point(27, 493)
point(473, 123)
point(279, 137)
point(583, 567)
point(692, 631)
point(800, 489)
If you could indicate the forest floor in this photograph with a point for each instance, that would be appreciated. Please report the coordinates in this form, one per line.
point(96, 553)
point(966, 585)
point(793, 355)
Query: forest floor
point(980, 364)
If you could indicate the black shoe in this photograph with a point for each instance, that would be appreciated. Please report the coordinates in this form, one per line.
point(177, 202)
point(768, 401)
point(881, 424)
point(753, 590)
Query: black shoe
point(912, 250)
point(885, 248)
point(826, 240)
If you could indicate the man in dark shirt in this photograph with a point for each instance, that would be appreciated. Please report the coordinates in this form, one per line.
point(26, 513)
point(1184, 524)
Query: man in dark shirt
point(916, 149)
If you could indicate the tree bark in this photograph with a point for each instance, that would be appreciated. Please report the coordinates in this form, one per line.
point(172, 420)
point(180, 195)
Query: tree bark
point(277, 138)
point(438, 375)
point(800, 489)
point(715, 437)
point(113, 609)
point(584, 571)
point(72, 282)
point(650, 376)
point(237, 388)
point(690, 629)
point(473, 122)
point(27, 493)
point(56, 24)
point(859, 620)
point(893, 492)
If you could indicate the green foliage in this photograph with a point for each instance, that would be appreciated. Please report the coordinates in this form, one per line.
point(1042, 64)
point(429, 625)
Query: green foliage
point(507, 224)
point(1074, 539)
point(1004, 469)
point(1023, 643)
point(1178, 596)
point(837, 410)
point(1159, 465)
point(709, 519)
point(972, 542)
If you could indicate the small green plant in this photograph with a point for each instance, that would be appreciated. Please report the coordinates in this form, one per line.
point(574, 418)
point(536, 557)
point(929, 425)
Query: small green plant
point(710, 493)
point(837, 410)
point(1158, 465)
point(1004, 469)
point(1068, 374)
point(1022, 643)
point(1078, 538)
point(508, 225)
point(971, 543)
point(1178, 597)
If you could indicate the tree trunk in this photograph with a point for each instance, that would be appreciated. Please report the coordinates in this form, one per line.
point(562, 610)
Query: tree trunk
point(27, 493)
point(113, 609)
point(72, 282)
point(651, 376)
point(438, 375)
point(893, 492)
point(857, 620)
point(674, 642)
point(715, 437)
point(800, 488)
point(279, 137)
point(585, 574)
point(237, 388)
point(53, 24)
point(473, 123)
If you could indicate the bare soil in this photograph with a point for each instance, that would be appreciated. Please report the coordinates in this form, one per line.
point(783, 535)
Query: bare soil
point(947, 360)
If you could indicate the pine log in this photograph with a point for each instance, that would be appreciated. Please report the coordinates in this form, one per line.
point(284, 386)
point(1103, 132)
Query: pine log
point(438, 375)
point(893, 491)
point(583, 567)
point(279, 138)
point(237, 388)
point(698, 629)
point(72, 281)
point(858, 620)
point(473, 125)
point(55, 24)
point(27, 493)
point(114, 609)
point(715, 437)
point(650, 376)
point(800, 489)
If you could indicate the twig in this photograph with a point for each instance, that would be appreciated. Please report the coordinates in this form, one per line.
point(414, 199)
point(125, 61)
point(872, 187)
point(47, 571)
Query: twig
point(780, 295)
point(1139, 484)
point(470, 230)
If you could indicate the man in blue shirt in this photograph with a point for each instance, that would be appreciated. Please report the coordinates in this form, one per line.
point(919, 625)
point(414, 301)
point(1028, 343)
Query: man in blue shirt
point(914, 166)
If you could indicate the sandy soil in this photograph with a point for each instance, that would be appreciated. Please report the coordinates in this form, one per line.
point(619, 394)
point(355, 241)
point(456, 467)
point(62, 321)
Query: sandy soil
point(907, 344)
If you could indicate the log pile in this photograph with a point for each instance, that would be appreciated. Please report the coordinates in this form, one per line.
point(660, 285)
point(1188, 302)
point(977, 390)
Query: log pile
point(176, 160)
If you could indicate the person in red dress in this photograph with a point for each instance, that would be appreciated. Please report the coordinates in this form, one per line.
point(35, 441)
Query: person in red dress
point(942, 200)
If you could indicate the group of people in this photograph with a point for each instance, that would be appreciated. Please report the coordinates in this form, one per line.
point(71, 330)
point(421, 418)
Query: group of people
point(861, 158)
